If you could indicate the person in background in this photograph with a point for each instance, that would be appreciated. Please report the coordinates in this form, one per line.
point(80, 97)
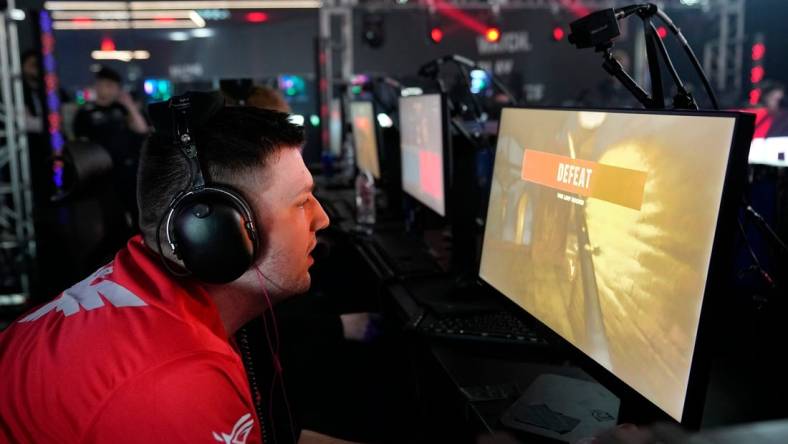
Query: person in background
point(770, 118)
point(266, 97)
point(114, 122)
point(31, 88)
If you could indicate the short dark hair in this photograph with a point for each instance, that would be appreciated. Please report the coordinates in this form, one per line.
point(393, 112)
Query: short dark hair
point(231, 144)
point(108, 74)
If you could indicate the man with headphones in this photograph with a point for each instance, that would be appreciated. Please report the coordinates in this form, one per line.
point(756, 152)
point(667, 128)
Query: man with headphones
point(142, 350)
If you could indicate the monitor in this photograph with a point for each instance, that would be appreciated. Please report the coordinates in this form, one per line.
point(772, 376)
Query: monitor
point(601, 225)
point(335, 127)
point(422, 136)
point(365, 137)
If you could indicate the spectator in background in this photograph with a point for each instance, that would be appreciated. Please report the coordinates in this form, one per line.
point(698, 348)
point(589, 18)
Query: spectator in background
point(770, 119)
point(114, 122)
point(31, 88)
point(772, 94)
point(266, 97)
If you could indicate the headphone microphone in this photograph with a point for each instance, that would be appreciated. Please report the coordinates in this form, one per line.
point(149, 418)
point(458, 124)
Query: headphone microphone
point(210, 227)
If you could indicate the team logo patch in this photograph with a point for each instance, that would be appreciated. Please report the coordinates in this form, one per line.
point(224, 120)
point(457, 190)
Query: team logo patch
point(239, 433)
point(89, 295)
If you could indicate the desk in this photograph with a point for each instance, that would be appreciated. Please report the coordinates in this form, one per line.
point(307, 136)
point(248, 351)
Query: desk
point(442, 372)
point(445, 373)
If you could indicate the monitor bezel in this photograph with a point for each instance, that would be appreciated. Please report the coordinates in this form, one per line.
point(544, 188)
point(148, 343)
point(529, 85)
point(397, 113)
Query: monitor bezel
point(636, 407)
point(446, 149)
point(375, 131)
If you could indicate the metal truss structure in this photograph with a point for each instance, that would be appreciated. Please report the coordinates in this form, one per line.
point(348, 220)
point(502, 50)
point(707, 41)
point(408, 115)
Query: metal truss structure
point(723, 58)
point(17, 240)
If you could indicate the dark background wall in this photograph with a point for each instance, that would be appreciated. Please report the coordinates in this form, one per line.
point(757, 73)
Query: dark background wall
point(552, 71)
point(534, 66)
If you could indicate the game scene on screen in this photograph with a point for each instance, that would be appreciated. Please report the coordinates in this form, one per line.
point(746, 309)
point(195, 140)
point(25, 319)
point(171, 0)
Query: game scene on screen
point(601, 225)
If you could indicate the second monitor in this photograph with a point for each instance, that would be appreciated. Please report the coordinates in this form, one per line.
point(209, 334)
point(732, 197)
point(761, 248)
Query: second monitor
point(422, 149)
point(365, 137)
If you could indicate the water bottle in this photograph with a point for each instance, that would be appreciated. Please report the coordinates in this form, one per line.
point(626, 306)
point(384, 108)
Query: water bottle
point(365, 198)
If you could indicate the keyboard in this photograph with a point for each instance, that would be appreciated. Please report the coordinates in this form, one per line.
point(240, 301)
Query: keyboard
point(500, 326)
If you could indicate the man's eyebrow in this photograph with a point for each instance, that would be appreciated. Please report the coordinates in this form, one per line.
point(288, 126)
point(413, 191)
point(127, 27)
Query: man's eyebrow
point(307, 188)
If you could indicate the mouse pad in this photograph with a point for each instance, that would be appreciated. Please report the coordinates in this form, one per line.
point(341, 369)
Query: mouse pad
point(562, 408)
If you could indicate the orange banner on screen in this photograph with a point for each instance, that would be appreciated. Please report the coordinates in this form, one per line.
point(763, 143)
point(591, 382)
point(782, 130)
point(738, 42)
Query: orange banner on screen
point(621, 186)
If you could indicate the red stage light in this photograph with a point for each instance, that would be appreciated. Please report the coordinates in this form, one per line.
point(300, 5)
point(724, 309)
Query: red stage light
point(755, 96)
point(758, 51)
point(558, 33)
point(436, 35)
point(256, 17)
point(107, 44)
point(662, 32)
point(492, 34)
point(756, 74)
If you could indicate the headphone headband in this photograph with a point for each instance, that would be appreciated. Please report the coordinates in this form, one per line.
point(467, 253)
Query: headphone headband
point(180, 107)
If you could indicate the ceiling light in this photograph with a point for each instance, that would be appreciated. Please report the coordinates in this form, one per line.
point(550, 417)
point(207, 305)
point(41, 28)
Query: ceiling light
point(197, 19)
point(202, 33)
point(160, 5)
point(16, 14)
point(179, 36)
point(85, 6)
point(296, 119)
point(123, 56)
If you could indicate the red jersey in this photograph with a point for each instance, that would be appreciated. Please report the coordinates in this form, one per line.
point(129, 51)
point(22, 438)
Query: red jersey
point(130, 354)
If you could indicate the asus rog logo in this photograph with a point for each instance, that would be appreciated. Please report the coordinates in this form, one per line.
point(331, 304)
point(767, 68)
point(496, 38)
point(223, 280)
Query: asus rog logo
point(239, 433)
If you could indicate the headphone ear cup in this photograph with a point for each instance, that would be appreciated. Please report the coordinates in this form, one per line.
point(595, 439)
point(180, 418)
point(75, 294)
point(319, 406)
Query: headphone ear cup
point(215, 235)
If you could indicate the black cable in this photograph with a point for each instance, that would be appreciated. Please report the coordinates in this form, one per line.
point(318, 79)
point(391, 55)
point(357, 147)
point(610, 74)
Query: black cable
point(757, 264)
point(747, 244)
point(765, 225)
point(691, 54)
point(668, 61)
point(671, 69)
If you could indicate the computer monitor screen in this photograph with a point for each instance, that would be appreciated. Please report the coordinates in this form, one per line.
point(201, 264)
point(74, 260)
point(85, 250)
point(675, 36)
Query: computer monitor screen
point(421, 142)
point(335, 127)
point(365, 137)
point(601, 226)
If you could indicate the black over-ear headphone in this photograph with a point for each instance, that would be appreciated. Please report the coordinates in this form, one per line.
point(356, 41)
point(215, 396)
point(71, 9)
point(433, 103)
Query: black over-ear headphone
point(211, 227)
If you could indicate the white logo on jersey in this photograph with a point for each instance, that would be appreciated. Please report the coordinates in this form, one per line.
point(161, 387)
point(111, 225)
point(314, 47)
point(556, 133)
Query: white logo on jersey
point(89, 294)
point(239, 433)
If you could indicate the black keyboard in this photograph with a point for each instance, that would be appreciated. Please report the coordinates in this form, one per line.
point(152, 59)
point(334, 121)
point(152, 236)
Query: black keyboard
point(500, 326)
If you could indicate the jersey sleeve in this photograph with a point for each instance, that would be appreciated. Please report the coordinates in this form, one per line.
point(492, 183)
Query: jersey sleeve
point(200, 398)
